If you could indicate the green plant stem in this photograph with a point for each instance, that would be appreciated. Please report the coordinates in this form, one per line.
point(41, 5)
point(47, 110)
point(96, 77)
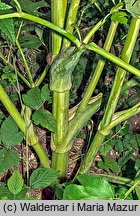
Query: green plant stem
point(58, 17)
point(120, 74)
point(60, 163)
point(122, 116)
point(91, 153)
point(92, 46)
point(72, 13)
point(79, 122)
point(100, 66)
point(131, 189)
point(43, 75)
point(61, 105)
point(12, 110)
point(101, 22)
point(94, 29)
point(25, 64)
point(33, 140)
point(117, 179)
point(61, 114)
point(113, 99)
point(45, 23)
point(60, 100)
point(18, 6)
point(18, 73)
point(130, 84)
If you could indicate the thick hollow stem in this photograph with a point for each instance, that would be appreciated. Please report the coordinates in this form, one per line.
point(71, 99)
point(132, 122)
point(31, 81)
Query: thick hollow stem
point(78, 122)
point(58, 17)
point(60, 163)
point(60, 111)
point(60, 100)
point(112, 103)
point(72, 13)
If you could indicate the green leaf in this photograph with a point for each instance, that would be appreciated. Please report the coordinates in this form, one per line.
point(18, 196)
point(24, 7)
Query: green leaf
point(123, 160)
point(133, 143)
point(91, 188)
point(31, 7)
point(107, 147)
point(46, 94)
point(111, 164)
point(4, 192)
point(75, 192)
point(43, 177)
point(137, 136)
point(137, 164)
point(124, 130)
point(96, 186)
point(45, 119)
point(33, 98)
point(118, 145)
point(21, 195)
point(8, 158)
point(15, 183)
point(119, 17)
point(1, 116)
point(137, 188)
point(58, 188)
point(36, 97)
point(30, 42)
point(10, 136)
point(120, 191)
point(4, 6)
point(133, 7)
point(7, 27)
point(103, 166)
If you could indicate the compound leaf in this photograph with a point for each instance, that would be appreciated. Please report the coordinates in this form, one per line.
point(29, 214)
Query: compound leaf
point(120, 17)
point(133, 7)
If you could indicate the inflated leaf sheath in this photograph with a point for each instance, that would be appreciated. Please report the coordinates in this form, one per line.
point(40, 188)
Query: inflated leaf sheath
point(62, 68)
